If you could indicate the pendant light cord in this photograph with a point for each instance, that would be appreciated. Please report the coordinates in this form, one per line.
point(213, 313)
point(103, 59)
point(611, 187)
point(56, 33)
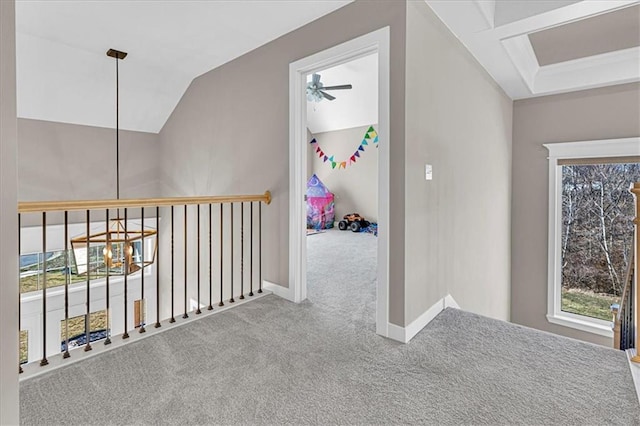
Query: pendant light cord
point(117, 132)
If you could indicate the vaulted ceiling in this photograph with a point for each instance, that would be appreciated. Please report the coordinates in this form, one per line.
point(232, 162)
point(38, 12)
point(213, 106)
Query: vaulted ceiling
point(64, 75)
point(529, 47)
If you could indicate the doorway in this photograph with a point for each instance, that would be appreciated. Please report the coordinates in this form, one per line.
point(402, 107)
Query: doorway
point(372, 43)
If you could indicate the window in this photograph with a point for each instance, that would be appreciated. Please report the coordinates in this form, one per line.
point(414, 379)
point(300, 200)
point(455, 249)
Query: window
point(591, 215)
point(75, 329)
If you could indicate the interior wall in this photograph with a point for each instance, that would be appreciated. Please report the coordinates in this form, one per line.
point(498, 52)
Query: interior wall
point(355, 188)
point(59, 161)
point(229, 134)
point(458, 224)
point(606, 113)
point(9, 408)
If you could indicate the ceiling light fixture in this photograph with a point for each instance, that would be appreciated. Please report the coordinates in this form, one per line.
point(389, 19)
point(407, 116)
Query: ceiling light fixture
point(121, 252)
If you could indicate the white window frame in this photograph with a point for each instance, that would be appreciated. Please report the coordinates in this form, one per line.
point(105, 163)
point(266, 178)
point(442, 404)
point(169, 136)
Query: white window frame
point(566, 150)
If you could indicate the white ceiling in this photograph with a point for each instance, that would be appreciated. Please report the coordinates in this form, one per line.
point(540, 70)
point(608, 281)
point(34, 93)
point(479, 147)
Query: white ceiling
point(496, 33)
point(351, 108)
point(64, 75)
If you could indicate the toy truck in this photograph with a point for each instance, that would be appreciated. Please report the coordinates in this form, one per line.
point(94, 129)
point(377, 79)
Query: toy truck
point(353, 221)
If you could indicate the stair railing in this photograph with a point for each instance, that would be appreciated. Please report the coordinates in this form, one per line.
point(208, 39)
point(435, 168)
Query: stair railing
point(623, 326)
point(101, 273)
point(636, 192)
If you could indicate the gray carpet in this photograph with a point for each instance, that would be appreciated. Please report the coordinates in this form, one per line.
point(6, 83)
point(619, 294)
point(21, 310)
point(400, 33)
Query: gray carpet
point(319, 362)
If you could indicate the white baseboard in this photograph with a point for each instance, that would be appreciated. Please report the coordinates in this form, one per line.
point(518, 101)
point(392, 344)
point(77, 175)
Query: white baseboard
point(278, 290)
point(405, 334)
point(635, 371)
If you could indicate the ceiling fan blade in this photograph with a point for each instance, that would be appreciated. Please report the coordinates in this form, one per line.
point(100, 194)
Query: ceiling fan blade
point(315, 78)
point(342, 87)
point(327, 96)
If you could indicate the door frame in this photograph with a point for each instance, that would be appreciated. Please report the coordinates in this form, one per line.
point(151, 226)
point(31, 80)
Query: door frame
point(376, 41)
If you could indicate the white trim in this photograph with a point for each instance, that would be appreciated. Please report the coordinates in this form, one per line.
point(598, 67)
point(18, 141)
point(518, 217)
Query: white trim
point(449, 302)
point(582, 323)
point(405, 334)
point(506, 53)
point(278, 290)
point(376, 41)
point(635, 370)
point(565, 150)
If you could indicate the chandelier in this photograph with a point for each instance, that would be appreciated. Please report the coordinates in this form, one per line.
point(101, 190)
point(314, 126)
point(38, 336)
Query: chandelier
point(117, 250)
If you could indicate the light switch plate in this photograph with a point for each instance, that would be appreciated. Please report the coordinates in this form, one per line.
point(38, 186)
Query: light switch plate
point(428, 172)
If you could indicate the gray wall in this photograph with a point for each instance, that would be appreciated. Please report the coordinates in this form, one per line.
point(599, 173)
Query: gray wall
point(8, 219)
point(59, 161)
point(457, 225)
point(230, 132)
point(356, 187)
point(607, 113)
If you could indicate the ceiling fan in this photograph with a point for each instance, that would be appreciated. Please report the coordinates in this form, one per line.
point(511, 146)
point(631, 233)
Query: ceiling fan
point(316, 90)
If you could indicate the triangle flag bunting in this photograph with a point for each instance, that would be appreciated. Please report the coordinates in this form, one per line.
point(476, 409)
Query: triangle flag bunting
point(370, 137)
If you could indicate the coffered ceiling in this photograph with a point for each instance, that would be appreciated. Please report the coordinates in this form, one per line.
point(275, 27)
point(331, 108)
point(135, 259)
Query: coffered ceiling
point(534, 48)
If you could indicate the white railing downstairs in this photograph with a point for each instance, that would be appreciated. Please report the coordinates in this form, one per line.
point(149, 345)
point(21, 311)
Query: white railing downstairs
point(94, 270)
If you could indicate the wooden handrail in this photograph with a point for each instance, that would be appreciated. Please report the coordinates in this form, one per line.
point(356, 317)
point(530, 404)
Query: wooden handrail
point(48, 206)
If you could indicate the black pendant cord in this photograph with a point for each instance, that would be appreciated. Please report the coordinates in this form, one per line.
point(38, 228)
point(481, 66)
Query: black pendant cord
point(117, 132)
point(260, 247)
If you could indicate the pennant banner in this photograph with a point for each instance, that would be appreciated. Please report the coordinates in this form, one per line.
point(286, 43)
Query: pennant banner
point(370, 138)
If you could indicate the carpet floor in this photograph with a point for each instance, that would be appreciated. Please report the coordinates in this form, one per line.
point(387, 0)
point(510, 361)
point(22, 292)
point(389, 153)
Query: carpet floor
point(320, 362)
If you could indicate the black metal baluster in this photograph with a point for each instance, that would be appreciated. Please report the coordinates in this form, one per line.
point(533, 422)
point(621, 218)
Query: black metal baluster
point(157, 248)
point(107, 261)
point(19, 290)
point(260, 247)
point(126, 277)
point(173, 319)
point(44, 360)
point(198, 311)
point(231, 230)
point(241, 250)
point(87, 323)
point(66, 285)
point(210, 307)
point(221, 254)
point(143, 313)
point(251, 250)
point(185, 263)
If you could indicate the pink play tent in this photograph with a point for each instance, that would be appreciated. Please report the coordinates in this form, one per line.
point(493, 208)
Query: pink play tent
point(320, 206)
